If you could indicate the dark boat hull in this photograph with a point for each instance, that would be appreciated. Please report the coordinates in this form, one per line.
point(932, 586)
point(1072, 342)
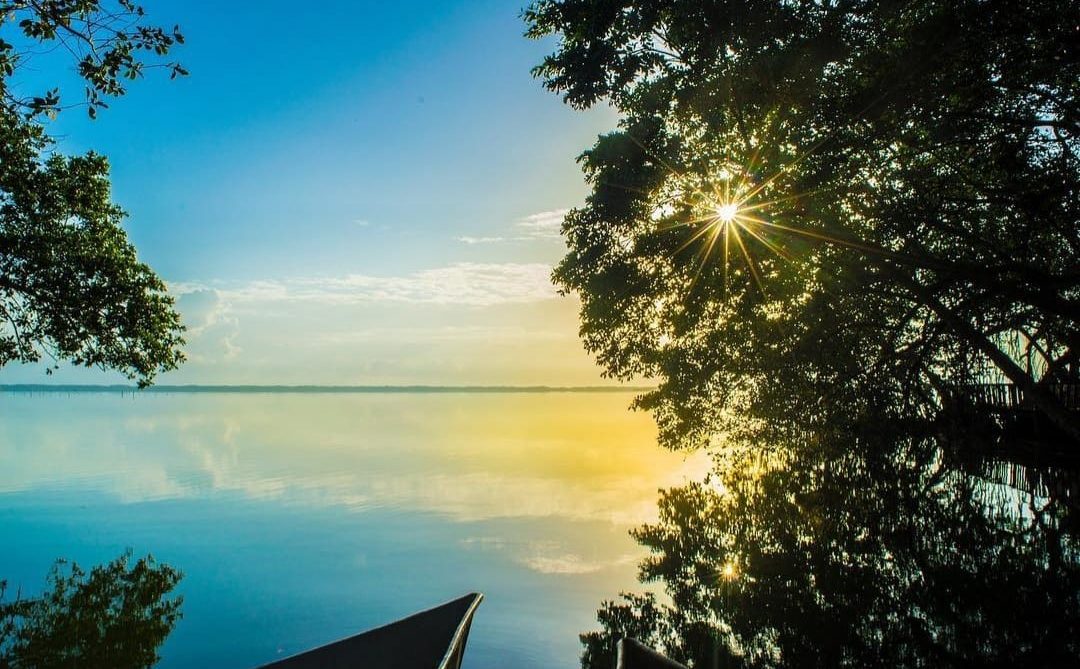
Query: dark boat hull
point(432, 639)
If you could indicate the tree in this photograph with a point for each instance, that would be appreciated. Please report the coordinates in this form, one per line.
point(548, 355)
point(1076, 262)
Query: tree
point(807, 200)
point(117, 616)
point(867, 551)
point(71, 285)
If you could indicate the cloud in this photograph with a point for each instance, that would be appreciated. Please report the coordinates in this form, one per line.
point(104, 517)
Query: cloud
point(458, 321)
point(361, 222)
point(546, 225)
point(212, 327)
point(202, 307)
point(443, 333)
point(486, 543)
point(481, 240)
point(547, 557)
point(468, 284)
point(570, 563)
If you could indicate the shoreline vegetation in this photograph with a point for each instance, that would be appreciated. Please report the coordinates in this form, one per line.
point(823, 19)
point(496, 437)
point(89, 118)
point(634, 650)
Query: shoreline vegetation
point(309, 389)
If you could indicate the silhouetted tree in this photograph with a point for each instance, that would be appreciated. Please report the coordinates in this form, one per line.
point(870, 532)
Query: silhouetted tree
point(861, 553)
point(808, 198)
point(71, 286)
point(115, 616)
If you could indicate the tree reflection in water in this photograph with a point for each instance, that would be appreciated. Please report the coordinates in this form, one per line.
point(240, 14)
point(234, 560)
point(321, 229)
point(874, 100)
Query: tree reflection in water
point(116, 615)
point(865, 548)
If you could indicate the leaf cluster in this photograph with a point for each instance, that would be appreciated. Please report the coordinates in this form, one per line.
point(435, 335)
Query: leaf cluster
point(108, 40)
point(71, 285)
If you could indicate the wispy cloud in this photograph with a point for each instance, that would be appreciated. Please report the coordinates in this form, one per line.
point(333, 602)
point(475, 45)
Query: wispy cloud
point(444, 333)
point(546, 225)
point(470, 284)
point(481, 240)
point(570, 563)
point(548, 557)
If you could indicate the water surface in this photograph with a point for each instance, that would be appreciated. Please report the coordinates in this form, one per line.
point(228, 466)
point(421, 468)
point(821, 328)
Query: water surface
point(301, 518)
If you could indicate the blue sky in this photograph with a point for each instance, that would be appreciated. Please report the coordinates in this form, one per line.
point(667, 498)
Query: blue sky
point(365, 192)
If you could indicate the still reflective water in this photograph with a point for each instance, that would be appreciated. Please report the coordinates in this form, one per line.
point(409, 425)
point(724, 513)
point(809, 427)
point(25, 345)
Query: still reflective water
point(301, 518)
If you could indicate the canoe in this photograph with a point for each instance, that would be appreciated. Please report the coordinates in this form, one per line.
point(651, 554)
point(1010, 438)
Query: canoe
point(632, 654)
point(432, 639)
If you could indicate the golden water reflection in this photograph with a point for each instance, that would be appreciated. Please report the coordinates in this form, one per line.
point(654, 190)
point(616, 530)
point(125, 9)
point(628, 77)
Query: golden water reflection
point(551, 457)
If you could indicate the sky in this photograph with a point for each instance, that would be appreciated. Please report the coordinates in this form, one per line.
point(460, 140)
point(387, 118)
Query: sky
point(362, 193)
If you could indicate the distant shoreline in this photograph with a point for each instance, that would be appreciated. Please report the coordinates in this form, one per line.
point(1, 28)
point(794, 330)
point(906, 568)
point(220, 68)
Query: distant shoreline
point(311, 389)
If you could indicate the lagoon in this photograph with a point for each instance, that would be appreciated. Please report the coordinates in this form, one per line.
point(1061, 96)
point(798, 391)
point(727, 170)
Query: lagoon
point(300, 518)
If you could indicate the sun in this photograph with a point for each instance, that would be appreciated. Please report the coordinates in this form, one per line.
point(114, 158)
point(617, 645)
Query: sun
point(728, 571)
point(727, 212)
point(726, 216)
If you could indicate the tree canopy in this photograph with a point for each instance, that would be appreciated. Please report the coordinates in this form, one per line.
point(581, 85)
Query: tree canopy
point(71, 285)
point(812, 200)
point(819, 226)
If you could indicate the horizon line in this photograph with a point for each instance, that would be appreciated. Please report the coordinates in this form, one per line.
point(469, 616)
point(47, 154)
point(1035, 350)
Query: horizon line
point(308, 388)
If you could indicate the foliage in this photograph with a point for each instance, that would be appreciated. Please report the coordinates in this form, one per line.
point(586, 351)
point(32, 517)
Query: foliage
point(108, 40)
point(818, 222)
point(905, 176)
point(117, 616)
point(71, 286)
point(870, 556)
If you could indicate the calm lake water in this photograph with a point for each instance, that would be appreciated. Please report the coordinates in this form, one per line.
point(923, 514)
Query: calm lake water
point(301, 518)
